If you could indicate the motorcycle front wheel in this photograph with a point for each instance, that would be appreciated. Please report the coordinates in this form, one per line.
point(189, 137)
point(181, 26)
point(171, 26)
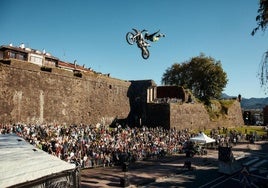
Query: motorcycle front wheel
point(145, 53)
point(130, 38)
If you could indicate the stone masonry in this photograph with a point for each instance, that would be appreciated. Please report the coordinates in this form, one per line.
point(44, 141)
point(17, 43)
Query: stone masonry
point(30, 95)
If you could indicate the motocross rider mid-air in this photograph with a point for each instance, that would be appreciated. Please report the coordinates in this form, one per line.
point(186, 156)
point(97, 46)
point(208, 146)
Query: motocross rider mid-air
point(154, 36)
point(142, 40)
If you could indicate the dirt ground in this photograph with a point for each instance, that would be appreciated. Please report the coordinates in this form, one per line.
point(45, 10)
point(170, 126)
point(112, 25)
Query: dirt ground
point(145, 173)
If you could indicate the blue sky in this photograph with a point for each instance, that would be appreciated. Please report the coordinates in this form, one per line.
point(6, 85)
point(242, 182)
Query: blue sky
point(93, 33)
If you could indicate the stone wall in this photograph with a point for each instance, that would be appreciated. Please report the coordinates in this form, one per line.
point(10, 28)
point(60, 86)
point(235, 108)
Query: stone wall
point(188, 116)
point(231, 117)
point(158, 115)
point(192, 116)
point(30, 95)
point(195, 116)
point(178, 115)
point(181, 115)
point(137, 95)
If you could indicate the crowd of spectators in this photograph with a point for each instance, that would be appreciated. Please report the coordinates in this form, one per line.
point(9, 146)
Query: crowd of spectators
point(91, 146)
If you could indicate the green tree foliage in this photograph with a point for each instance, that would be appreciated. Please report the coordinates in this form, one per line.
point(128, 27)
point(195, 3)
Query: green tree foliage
point(203, 75)
point(262, 20)
point(262, 17)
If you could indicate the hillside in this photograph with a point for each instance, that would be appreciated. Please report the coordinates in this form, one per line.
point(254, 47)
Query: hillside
point(254, 103)
point(251, 103)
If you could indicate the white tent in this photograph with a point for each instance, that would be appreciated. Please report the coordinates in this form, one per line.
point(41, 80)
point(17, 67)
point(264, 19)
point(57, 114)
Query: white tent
point(202, 138)
point(23, 165)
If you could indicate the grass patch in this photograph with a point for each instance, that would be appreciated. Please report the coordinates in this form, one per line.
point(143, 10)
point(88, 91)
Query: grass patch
point(218, 108)
point(243, 130)
point(226, 103)
point(250, 130)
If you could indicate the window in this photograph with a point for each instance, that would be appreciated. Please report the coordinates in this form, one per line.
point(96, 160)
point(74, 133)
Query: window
point(12, 55)
point(49, 63)
point(21, 57)
point(36, 59)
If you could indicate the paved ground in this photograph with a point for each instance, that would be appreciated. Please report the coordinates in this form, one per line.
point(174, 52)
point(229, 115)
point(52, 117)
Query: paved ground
point(169, 171)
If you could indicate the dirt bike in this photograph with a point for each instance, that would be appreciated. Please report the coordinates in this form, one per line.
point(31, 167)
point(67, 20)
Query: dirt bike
point(138, 38)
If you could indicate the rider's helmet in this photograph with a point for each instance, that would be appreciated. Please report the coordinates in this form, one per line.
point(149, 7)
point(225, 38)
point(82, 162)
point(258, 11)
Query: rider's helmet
point(146, 35)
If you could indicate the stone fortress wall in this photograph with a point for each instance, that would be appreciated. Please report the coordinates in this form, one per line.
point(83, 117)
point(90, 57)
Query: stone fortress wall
point(179, 113)
point(30, 95)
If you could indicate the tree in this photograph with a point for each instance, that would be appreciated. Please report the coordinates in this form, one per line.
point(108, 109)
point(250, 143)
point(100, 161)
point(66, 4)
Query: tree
point(262, 20)
point(262, 17)
point(203, 75)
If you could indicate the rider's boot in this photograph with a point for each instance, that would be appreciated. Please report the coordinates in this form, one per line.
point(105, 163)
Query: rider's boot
point(161, 35)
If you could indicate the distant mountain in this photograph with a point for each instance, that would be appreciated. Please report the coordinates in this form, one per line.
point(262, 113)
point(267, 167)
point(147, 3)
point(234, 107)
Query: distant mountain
point(251, 103)
point(254, 103)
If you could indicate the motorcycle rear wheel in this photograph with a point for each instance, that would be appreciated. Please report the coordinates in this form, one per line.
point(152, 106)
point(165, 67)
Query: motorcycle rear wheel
point(130, 38)
point(145, 53)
